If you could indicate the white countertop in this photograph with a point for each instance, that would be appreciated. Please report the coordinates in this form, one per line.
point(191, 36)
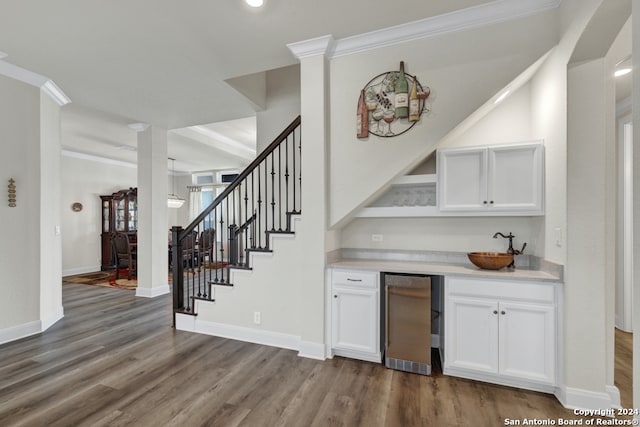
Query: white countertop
point(444, 269)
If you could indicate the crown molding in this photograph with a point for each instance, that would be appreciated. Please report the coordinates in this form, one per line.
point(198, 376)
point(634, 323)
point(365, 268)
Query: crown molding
point(465, 19)
point(45, 84)
point(55, 93)
point(99, 159)
point(324, 45)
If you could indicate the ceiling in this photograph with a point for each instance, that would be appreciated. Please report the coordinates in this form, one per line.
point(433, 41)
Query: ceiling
point(166, 62)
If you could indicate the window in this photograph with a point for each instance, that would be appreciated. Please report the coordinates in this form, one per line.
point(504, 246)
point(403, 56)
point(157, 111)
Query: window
point(213, 184)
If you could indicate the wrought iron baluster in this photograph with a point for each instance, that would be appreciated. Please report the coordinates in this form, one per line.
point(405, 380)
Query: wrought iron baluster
point(293, 159)
point(300, 171)
point(253, 206)
point(246, 213)
point(286, 179)
point(259, 210)
point(239, 223)
point(280, 187)
point(196, 257)
point(266, 209)
point(222, 239)
point(215, 239)
point(273, 194)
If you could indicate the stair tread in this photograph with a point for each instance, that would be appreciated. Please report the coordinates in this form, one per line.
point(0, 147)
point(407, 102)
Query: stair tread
point(217, 283)
point(239, 267)
point(259, 250)
point(182, 311)
point(203, 298)
point(280, 232)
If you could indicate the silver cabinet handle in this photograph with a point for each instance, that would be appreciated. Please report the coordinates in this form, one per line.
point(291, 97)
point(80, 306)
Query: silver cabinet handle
point(354, 280)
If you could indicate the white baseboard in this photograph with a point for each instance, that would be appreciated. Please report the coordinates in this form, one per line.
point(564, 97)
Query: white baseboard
point(49, 321)
point(311, 350)
point(308, 349)
point(614, 395)
point(575, 398)
point(156, 291)
point(24, 330)
point(80, 270)
point(17, 332)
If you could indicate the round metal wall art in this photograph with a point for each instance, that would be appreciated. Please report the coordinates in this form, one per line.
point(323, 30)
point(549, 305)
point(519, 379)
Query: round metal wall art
point(379, 95)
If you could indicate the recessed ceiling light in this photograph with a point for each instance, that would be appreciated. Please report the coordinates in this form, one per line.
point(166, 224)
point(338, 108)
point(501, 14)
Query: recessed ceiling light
point(254, 3)
point(503, 96)
point(622, 72)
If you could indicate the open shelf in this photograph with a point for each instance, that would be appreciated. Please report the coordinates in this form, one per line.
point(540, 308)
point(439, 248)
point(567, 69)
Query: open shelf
point(409, 196)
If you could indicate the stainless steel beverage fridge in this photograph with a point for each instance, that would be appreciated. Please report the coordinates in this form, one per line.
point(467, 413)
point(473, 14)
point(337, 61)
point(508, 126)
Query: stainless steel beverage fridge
point(408, 323)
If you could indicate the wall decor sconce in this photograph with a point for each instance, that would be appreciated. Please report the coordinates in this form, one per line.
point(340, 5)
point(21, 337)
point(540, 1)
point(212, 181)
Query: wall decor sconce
point(12, 193)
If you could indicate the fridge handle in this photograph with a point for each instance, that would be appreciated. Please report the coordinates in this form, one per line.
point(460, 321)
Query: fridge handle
point(386, 320)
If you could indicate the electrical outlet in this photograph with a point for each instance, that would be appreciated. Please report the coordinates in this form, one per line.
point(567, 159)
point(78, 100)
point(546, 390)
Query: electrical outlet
point(257, 317)
point(558, 236)
point(377, 238)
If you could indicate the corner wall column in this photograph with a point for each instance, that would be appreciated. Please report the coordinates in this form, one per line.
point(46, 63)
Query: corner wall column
point(635, 100)
point(314, 90)
point(152, 213)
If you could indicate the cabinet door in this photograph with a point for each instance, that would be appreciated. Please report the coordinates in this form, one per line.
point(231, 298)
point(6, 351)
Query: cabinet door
point(462, 184)
point(527, 341)
point(515, 178)
point(355, 320)
point(471, 327)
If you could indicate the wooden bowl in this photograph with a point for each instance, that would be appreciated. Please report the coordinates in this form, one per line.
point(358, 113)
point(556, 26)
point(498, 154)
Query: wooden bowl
point(490, 260)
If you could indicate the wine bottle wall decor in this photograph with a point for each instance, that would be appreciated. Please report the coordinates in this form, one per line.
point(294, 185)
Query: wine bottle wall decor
point(391, 104)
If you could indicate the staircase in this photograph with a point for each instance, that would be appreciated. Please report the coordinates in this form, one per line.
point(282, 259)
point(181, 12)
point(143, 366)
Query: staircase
point(258, 204)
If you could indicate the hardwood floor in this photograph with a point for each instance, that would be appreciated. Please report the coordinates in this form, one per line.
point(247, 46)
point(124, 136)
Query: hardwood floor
point(623, 371)
point(114, 360)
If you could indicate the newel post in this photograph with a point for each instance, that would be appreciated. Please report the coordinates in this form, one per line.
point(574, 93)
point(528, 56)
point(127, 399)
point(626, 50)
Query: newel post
point(177, 271)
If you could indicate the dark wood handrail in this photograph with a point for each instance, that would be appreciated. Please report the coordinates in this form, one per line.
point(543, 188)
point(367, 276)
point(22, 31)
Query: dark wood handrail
point(245, 173)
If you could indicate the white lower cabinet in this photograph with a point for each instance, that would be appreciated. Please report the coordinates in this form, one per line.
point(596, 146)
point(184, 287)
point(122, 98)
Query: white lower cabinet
point(501, 331)
point(355, 314)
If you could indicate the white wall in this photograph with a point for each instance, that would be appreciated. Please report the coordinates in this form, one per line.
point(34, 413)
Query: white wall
point(50, 219)
point(585, 279)
point(30, 250)
point(85, 181)
point(462, 76)
point(635, 24)
point(283, 104)
point(508, 122)
point(20, 244)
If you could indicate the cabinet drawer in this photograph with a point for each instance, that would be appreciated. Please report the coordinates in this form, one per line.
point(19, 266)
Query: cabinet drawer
point(354, 278)
point(543, 293)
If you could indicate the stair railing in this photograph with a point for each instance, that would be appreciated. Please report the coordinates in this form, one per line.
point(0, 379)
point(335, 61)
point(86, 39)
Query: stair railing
point(257, 204)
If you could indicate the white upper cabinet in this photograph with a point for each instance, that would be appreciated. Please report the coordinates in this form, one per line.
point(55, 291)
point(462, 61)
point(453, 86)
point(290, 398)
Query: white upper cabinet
point(492, 180)
point(462, 178)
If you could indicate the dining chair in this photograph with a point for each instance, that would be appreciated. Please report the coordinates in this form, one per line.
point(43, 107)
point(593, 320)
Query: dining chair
point(124, 257)
point(206, 245)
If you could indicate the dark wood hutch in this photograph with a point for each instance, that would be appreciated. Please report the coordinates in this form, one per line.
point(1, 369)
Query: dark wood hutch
point(119, 214)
